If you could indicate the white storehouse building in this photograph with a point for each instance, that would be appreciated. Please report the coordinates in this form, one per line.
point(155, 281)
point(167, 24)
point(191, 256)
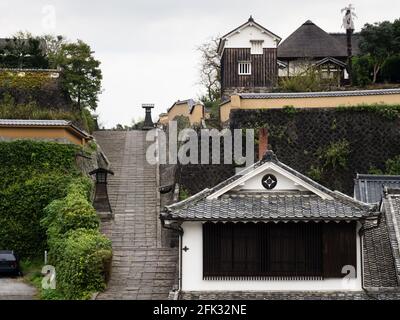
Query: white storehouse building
point(270, 228)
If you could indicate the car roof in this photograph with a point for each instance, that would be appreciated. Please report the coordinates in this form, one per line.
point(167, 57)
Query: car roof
point(7, 257)
point(6, 252)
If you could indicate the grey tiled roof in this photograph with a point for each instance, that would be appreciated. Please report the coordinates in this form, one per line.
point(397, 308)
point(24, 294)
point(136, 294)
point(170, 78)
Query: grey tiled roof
point(22, 122)
point(369, 188)
point(277, 206)
point(330, 59)
point(378, 262)
point(291, 95)
point(269, 205)
point(44, 123)
point(391, 207)
point(190, 102)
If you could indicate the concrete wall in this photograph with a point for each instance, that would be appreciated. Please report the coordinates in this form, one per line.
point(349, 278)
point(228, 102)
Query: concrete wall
point(40, 133)
point(192, 271)
point(321, 102)
point(183, 110)
point(197, 114)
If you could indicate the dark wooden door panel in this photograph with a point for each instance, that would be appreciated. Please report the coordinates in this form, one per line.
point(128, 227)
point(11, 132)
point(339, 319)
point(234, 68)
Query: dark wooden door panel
point(339, 248)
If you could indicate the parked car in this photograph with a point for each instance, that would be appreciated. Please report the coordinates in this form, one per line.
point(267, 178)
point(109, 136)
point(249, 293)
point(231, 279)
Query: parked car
point(9, 263)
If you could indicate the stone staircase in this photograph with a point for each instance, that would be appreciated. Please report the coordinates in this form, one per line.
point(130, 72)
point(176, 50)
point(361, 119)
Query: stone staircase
point(141, 268)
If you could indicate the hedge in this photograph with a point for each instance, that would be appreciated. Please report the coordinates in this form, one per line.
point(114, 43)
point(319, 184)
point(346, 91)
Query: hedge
point(80, 254)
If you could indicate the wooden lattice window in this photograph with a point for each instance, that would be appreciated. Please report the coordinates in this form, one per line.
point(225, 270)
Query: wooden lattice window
point(244, 68)
point(283, 250)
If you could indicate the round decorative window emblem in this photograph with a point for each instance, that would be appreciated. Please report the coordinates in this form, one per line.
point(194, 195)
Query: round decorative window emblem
point(269, 181)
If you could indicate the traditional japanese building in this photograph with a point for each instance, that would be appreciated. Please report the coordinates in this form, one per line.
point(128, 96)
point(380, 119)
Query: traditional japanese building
point(248, 59)
point(310, 46)
point(270, 228)
point(194, 111)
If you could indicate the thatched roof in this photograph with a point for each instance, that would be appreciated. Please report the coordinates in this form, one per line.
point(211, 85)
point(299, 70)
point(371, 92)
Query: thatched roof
point(355, 41)
point(310, 41)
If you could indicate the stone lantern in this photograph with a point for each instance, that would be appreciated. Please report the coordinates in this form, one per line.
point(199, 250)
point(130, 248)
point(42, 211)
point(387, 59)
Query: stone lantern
point(101, 201)
point(148, 122)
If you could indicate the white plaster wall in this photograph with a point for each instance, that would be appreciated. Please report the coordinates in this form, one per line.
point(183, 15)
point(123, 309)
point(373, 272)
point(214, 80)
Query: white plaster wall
point(242, 38)
point(282, 72)
point(192, 272)
point(284, 183)
point(299, 66)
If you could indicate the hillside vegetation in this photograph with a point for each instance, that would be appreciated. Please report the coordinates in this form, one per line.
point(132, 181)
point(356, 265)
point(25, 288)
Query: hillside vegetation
point(45, 204)
point(49, 78)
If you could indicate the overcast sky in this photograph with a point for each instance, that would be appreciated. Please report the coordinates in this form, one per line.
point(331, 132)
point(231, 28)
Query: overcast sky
point(148, 47)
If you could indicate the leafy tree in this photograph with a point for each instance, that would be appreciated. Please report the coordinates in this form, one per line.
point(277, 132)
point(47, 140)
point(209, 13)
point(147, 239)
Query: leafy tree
point(82, 75)
point(23, 50)
point(137, 124)
point(377, 41)
point(396, 35)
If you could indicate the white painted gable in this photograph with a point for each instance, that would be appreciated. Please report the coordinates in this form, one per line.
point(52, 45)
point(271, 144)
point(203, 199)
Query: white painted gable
point(242, 38)
point(252, 181)
point(284, 183)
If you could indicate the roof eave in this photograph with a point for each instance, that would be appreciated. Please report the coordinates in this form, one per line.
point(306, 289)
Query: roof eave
point(171, 218)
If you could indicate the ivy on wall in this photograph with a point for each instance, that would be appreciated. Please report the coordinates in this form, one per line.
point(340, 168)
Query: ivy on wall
point(32, 175)
point(330, 145)
point(27, 80)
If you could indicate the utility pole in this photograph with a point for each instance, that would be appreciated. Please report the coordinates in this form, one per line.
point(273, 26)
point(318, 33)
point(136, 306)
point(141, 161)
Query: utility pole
point(348, 24)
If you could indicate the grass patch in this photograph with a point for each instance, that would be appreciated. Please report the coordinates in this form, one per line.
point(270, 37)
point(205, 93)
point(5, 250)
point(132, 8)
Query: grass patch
point(32, 275)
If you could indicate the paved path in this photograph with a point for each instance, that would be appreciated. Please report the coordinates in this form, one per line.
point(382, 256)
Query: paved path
point(141, 268)
point(16, 289)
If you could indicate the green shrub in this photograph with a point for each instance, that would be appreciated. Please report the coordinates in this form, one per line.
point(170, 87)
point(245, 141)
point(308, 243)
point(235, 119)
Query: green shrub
point(82, 257)
point(393, 166)
point(183, 194)
point(336, 155)
point(78, 251)
point(362, 70)
point(310, 80)
point(70, 213)
point(315, 173)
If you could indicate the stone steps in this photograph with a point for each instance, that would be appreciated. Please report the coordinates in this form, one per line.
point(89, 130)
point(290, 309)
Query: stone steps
point(141, 268)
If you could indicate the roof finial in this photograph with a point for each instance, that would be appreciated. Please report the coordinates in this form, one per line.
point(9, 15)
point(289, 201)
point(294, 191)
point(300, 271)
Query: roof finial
point(269, 156)
point(251, 19)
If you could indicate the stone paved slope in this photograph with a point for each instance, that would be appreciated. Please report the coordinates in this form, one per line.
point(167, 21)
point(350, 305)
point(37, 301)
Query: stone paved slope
point(16, 289)
point(141, 269)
